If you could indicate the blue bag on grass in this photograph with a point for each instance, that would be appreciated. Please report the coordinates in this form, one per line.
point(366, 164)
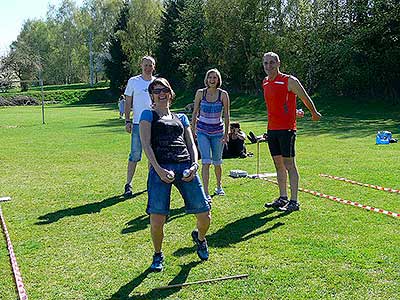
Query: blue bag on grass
point(383, 137)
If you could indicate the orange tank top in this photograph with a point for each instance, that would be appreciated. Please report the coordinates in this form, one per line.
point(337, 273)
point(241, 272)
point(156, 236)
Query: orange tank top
point(280, 103)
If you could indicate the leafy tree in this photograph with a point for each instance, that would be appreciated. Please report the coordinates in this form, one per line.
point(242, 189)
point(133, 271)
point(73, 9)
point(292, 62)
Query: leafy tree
point(233, 45)
point(6, 74)
point(168, 61)
point(347, 47)
point(97, 19)
point(140, 37)
point(67, 61)
point(191, 47)
point(23, 63)
point(116, 63)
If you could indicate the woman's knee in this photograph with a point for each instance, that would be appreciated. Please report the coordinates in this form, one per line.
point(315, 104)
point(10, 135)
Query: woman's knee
point(204, 218)
point(157, 221)
point(218, 166)
point(206, 165)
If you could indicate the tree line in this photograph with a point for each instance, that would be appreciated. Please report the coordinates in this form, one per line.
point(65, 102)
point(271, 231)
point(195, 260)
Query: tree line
point(345, 47)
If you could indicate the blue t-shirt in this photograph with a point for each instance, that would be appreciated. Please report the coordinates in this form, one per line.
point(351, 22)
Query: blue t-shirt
point(168, 137)
point(147, 115)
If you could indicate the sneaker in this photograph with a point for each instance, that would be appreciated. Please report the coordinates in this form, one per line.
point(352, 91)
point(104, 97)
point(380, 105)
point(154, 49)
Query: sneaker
point(202, 247)
point(209, 199)
point(219, 191)
point(128, 191)
point(292, 205)
point(157, 264)
point(277, 204)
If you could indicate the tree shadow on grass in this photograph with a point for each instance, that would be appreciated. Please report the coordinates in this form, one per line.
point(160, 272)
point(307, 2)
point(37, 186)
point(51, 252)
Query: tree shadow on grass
point(348, 127)
point(114, 122)
point(124, 292)
point(143, 221)
point(239, 231)
point(342, 117)
point(83, 209)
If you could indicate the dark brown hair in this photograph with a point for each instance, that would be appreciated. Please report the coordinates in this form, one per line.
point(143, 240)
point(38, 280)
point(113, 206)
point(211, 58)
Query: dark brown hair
point(161, 81)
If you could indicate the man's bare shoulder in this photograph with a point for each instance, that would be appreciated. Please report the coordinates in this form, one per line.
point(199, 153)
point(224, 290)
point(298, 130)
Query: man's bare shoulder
point(293, 83)
point(292, 78)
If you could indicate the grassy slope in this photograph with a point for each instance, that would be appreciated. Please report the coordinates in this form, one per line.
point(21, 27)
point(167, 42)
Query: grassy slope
point(76, 238)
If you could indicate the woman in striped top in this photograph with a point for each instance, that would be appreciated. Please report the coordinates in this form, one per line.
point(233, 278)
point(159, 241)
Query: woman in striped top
point(210, 105)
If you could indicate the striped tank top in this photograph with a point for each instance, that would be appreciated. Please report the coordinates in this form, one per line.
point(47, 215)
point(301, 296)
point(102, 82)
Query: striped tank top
point(210, 119)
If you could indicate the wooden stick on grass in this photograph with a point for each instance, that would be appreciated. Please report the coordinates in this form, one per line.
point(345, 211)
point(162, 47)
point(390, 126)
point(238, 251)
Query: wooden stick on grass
point(202, 281)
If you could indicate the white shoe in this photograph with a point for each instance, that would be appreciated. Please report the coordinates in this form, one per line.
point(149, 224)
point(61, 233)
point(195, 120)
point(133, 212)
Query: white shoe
point(219, 191)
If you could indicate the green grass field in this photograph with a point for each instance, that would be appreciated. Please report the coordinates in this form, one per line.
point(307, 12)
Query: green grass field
point(76, 238)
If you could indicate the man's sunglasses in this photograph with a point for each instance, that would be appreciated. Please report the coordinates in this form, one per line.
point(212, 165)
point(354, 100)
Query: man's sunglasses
point(158, 91)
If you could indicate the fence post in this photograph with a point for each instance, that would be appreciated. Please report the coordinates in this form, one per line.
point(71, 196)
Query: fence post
point(41, 89)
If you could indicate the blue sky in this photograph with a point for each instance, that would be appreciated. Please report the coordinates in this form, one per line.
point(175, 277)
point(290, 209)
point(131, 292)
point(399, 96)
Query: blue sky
point(13, 13)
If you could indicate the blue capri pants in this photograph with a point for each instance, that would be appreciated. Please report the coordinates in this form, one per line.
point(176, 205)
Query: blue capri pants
point(211, 148)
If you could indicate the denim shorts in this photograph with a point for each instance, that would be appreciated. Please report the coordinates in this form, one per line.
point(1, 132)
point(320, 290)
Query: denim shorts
point(210, 147)
point(136, 145)
point(159, 192)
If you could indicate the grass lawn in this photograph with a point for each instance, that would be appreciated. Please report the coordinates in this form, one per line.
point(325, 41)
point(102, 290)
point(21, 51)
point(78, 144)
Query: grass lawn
point(76, 238)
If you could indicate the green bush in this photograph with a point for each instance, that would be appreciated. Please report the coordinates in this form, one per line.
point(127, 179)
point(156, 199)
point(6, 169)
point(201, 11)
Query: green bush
point(75, 96)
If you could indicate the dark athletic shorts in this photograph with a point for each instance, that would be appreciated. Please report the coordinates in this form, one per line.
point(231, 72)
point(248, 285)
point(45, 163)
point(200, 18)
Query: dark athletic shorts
point(282, 142)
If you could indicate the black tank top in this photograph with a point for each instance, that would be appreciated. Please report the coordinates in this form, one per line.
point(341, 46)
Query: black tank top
point(167, 140)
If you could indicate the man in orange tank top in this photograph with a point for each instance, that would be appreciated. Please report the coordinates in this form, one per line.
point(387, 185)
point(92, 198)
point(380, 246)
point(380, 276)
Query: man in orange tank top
point(280, 93)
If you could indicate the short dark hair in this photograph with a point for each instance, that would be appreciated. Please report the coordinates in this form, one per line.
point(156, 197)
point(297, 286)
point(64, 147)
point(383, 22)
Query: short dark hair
point(272, 54)
point(149, 58)
point(163, 82)
point(235, 125)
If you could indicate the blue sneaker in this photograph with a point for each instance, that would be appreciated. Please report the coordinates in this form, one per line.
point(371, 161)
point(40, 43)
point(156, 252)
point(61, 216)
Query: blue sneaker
point(128, 193)
point(202, 247)
point(158, 260)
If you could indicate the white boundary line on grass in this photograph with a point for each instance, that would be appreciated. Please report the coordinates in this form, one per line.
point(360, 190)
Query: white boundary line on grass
point(17, 274)
point(377, 187)
point(3, 199)
point(337, 199)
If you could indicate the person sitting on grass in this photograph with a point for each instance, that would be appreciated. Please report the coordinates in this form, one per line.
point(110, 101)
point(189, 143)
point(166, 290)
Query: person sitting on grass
point(168, 144)
point(235, 147)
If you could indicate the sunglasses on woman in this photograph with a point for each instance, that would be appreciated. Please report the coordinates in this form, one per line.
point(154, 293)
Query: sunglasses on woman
point(158, 91)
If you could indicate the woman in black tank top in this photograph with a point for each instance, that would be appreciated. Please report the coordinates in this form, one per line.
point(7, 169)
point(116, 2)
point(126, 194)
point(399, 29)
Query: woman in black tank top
point(169, 146)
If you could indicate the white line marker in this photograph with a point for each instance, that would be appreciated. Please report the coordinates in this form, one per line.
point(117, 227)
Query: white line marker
point(17, 274)
point(337, 199)
point(372, 186)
